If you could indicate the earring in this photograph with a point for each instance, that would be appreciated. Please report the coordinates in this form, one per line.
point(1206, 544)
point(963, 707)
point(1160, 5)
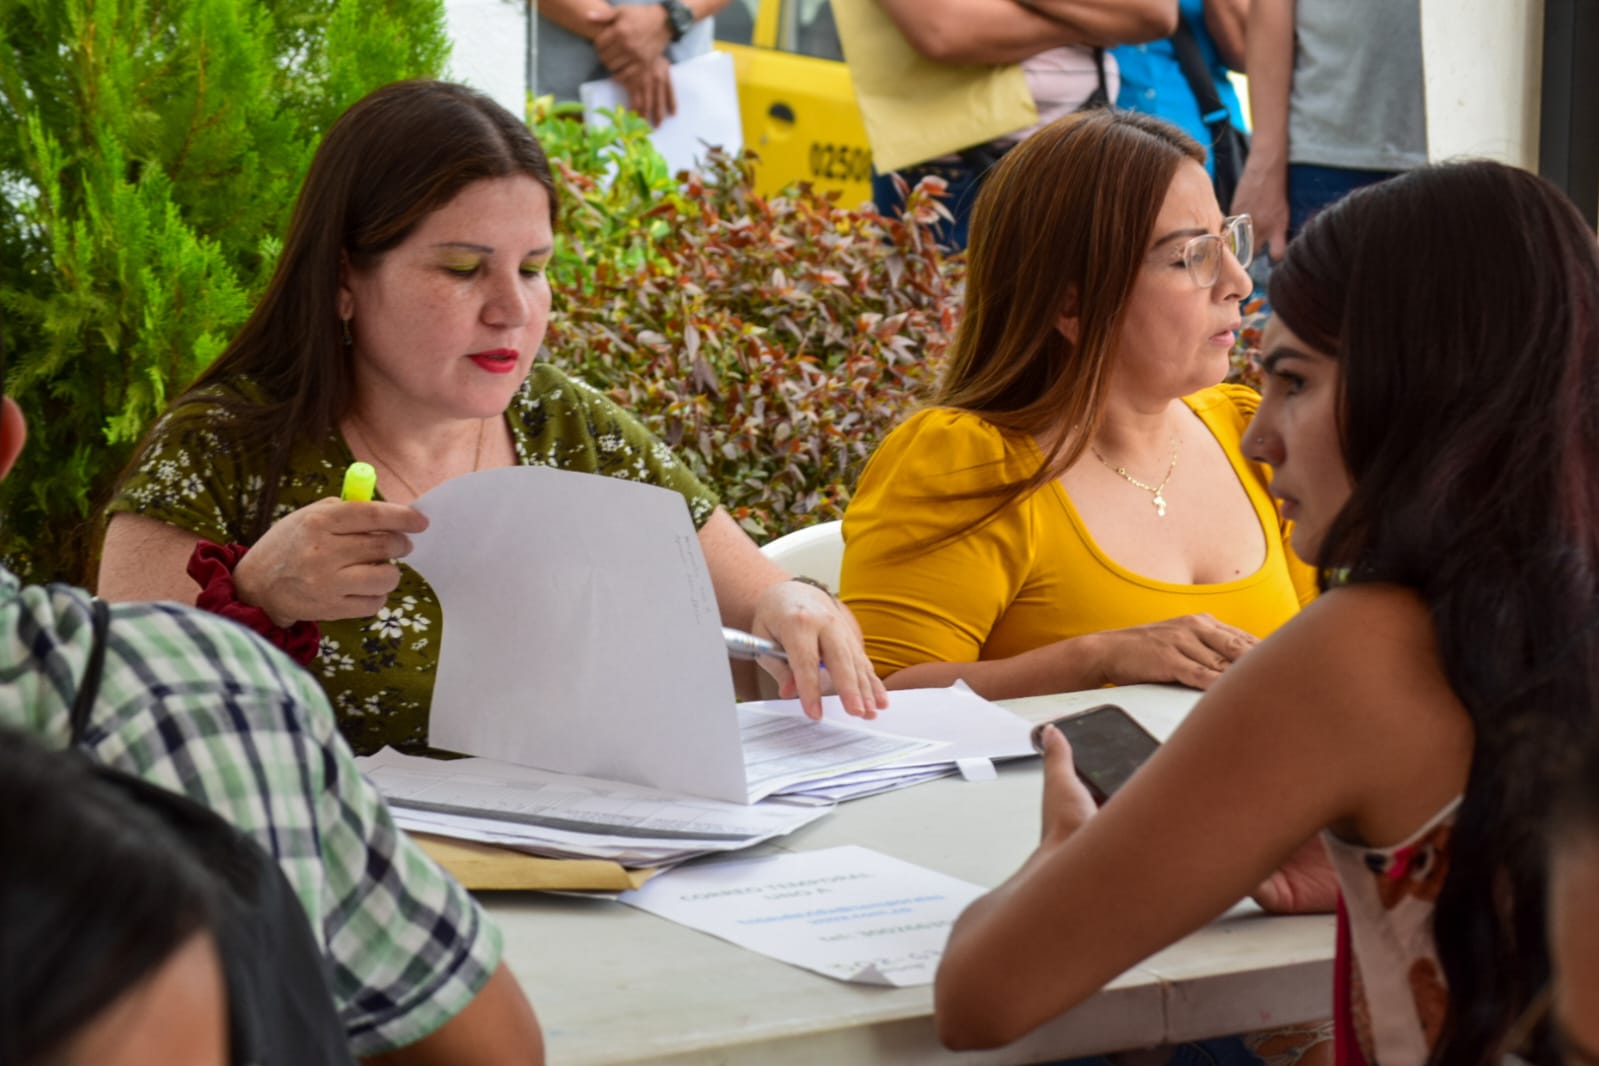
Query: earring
point(349, 338)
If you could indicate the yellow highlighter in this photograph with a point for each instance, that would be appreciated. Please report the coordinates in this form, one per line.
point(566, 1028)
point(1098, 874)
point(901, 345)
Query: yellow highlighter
point(359, 482)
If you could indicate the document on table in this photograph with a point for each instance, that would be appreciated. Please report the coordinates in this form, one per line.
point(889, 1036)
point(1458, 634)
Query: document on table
point(707, 110)
point(581, 632)
point(849, 913)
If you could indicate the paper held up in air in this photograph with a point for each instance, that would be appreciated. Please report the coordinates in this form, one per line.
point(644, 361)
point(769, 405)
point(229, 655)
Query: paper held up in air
point(581, 635)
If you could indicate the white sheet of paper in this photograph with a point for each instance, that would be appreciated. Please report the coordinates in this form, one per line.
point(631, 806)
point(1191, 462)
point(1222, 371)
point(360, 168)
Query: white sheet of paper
point(581, 632)
point(849, 913)
point(707, 110)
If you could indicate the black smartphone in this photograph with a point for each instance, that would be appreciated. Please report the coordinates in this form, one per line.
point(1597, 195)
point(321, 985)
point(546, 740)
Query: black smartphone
point(1107, 746)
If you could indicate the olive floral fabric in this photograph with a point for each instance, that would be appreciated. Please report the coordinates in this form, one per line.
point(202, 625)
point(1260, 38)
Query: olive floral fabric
point(378, 671)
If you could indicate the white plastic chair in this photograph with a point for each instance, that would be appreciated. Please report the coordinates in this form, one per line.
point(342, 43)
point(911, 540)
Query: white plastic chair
point(816, 552)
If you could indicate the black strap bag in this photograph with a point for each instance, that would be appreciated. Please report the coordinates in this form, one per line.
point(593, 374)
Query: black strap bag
point(1229, 146)
point(280, 1009)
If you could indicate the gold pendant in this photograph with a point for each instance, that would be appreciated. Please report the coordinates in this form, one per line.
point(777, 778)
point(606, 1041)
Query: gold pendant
point(1160, 505)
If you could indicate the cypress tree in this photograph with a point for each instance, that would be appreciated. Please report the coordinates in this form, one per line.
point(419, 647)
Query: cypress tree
point(150, 151)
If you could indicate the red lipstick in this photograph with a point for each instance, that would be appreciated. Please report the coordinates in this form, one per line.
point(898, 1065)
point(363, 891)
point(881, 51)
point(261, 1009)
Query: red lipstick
point(496, 360)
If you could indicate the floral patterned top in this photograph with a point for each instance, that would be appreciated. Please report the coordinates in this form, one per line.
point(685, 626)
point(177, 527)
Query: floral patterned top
point(1397, 995)
point(378, 672)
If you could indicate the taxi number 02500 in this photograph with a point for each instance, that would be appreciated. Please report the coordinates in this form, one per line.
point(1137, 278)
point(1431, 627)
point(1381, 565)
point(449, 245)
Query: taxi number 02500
point(840, 162)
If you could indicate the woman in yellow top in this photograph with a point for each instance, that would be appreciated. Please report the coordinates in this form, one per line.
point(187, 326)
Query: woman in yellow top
point(1075, 509)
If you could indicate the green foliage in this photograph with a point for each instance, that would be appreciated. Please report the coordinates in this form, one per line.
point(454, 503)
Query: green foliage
point(149, 155)
point(611, 178)
point(772, 343)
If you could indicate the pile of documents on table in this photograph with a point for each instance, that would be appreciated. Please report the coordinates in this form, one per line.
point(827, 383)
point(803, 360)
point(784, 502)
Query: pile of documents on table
point(796, 769)
point(582, 660)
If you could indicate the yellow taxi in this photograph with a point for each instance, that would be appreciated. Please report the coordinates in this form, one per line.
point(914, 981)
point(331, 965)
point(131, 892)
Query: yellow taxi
point(795, 98)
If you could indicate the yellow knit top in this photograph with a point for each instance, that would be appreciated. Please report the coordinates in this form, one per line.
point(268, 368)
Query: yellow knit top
point(1033, 575)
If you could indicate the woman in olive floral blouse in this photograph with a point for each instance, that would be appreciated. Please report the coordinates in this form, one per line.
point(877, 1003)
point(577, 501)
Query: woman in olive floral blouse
point(400, 328)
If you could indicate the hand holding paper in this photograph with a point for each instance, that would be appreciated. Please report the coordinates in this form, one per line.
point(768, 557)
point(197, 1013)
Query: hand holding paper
point(649, 90)
point(705, 112)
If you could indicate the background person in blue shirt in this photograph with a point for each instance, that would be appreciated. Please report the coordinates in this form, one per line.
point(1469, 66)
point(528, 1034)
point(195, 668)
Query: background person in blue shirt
point(1152, 79)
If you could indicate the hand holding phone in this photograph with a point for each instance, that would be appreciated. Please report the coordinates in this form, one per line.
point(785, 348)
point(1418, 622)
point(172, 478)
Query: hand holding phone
point(1108, 747)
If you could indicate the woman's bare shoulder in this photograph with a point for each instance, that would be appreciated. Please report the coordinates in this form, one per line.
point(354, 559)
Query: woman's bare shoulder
point(1357, 677)
point(1372, 621)
point(1357, 667)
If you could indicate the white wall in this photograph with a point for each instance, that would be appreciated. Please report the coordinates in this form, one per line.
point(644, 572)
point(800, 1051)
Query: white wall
point(489, 51)
point(1483, 63)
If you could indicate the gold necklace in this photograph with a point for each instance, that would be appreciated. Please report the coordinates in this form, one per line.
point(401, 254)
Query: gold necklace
point(1157, 490)
point(477, 455)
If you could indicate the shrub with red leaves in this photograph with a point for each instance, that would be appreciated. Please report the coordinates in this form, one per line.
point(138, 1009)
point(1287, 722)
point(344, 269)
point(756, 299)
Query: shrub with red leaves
point(771, 342)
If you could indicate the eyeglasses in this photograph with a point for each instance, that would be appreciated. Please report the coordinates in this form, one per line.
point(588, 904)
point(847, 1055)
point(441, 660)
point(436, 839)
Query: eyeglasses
point(1202, 255)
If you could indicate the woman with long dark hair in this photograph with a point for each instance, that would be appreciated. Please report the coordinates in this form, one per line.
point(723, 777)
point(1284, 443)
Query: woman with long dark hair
point(402, 327)
point(1431, 415)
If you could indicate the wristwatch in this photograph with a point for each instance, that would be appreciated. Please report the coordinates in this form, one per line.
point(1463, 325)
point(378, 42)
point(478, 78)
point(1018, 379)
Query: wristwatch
point(678, 18)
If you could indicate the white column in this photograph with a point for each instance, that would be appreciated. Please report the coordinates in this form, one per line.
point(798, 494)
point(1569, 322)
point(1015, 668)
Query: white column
point(489, 48)
point(1483, 64)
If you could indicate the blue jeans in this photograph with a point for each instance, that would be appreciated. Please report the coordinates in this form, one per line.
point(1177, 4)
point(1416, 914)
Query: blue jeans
point(963, 184)
point(1311, 188)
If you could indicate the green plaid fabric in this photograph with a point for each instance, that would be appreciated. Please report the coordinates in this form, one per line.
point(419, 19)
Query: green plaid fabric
point(196, 704)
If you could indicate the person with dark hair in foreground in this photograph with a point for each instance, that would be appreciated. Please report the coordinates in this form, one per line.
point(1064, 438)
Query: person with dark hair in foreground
point(197, 705)
point(107, 925)
point(1431, 415)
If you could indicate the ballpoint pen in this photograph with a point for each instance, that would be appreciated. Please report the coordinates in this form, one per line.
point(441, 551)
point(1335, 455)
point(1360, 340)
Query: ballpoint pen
point(742, 645)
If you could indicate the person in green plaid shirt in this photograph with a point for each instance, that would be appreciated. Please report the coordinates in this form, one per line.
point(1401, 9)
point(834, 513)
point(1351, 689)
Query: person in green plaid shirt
point(195, 704)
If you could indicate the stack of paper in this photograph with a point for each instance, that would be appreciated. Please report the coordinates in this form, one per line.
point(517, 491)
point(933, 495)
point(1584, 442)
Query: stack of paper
point(565, 815)
point(562, 816)
point(796, 769)
point(786, 752)
point(969, 733)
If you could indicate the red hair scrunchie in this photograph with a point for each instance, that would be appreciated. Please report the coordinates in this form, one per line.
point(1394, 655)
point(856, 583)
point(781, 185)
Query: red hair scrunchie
point(211, 565)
